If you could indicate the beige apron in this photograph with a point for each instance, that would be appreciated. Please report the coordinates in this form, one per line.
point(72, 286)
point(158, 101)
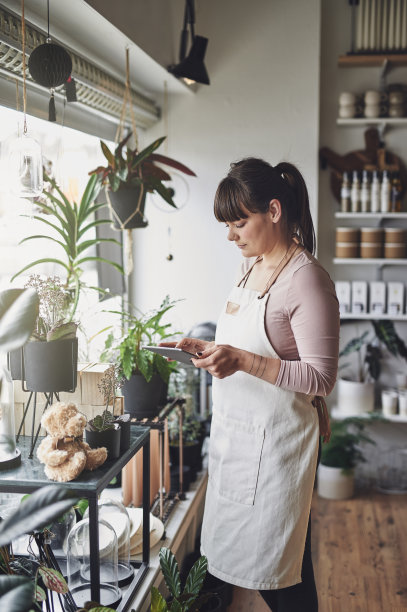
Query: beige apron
point(262, 460)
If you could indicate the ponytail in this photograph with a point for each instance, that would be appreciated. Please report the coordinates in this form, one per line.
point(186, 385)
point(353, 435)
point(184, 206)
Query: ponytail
point(298, 215)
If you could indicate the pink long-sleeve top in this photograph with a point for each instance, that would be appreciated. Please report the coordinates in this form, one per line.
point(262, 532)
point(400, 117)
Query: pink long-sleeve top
point(302, 324)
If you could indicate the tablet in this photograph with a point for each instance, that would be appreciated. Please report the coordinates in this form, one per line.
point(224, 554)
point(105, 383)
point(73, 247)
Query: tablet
point(172, 353)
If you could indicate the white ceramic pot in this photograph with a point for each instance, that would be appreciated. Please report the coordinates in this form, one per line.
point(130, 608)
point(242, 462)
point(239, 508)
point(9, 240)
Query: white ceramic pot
point(355, 398)
point(333, 483)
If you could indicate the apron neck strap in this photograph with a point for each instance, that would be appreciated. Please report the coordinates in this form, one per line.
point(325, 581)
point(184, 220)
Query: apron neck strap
point(292, 250)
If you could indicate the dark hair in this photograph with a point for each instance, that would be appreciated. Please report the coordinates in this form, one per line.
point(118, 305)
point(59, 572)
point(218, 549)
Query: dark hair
point(252, 183)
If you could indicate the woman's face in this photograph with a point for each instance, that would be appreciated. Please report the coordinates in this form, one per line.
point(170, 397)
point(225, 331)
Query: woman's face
point(255, 235)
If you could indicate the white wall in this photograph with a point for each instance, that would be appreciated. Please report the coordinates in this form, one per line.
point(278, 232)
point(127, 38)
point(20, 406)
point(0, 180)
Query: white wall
point(263, 62)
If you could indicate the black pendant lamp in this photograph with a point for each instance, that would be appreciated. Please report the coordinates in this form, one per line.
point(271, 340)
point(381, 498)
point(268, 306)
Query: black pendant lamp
point(50, 65)
point(191, 67)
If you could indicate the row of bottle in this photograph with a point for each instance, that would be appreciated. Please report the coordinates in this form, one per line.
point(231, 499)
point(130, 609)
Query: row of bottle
point(376, 192)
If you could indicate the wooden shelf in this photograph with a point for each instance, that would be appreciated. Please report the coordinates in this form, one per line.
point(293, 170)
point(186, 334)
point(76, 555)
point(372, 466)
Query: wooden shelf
point(361, 121)
point(370, 261)
point(372, 60)
point(370, 215)
point(339, 416)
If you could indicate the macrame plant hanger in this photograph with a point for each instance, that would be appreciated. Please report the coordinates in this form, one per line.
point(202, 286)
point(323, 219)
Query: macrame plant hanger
point(127, 100)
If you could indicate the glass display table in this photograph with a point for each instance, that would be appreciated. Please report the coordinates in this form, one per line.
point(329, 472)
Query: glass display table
point(30, 476)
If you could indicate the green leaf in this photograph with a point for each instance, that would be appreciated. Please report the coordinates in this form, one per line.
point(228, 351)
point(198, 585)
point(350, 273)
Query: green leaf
point(40, 261)
point(146, 152)
point(43, 236)
point(90, 194)
point(53, 580)
point(144, 361)
point(90, 243)
point(176, 606)
point(16, 593)
point(158, 603)
point(62, 232)
point(41, 508)
point(92, 225)
point(196, 576)
point(112, 263)
point(18, 314)
point(169, 568)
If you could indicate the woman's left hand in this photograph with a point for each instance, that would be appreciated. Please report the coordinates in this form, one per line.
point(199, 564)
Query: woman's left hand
point(220, 360)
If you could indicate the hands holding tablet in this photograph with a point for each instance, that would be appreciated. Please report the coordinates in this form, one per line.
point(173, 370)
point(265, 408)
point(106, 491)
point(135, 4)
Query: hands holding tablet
point(220, 360)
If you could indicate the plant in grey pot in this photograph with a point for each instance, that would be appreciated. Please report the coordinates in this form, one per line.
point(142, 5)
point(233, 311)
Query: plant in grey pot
point(356, 388)
point(73, 226)
point(103, 429)
point(129, 175)
point(340, 456)
point(146, 374)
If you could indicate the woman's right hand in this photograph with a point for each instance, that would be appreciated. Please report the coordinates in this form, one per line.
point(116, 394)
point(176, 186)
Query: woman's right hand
point(191, 345)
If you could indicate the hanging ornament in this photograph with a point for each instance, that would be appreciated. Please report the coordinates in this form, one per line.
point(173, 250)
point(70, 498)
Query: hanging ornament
point(50, 65)
point(170, 256)
point(24, 156)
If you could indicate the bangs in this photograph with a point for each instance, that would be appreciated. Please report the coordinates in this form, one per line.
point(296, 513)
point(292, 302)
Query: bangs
point(230, 202)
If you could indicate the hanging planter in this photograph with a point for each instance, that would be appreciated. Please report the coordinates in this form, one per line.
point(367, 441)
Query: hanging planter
point(127, 207)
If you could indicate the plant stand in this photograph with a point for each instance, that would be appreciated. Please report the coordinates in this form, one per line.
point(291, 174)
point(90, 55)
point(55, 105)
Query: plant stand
point(29, 477)
point(34, 437)
point(164, 503)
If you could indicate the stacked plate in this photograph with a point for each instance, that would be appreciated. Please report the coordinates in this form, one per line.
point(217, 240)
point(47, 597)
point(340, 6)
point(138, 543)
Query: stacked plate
point(136, 530)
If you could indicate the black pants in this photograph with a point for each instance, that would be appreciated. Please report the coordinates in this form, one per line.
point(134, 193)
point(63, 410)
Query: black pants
point(301, 597)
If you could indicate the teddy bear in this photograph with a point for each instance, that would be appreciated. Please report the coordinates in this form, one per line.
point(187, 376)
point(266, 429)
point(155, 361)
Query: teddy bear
point(63, 451)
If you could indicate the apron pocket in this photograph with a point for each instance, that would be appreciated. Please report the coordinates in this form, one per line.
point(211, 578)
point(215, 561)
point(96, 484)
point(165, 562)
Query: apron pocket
point(235, 450)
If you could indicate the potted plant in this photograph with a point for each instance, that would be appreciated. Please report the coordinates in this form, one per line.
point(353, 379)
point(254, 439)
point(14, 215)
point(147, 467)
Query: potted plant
point(146, 374)
point(356, 390)
point(129, 175)
point(339, 458)
point(181, 599)
point(103, 429)
point(71, 224)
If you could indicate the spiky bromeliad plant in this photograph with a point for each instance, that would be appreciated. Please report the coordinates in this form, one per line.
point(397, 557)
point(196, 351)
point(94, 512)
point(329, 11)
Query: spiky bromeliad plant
point(130, 167)
point(72, 223)
point(185, 599)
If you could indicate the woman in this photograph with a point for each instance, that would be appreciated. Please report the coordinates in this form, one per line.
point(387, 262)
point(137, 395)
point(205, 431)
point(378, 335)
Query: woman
point(276, 348)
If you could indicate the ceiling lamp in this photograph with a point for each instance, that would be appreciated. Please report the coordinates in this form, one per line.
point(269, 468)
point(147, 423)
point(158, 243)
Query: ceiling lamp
point(191, 67)
point(50, 65)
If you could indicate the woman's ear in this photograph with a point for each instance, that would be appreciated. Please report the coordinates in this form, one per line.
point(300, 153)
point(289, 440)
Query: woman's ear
point(275, 210)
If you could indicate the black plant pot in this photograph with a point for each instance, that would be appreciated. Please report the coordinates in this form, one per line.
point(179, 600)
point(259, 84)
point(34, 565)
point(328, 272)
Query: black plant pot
point(125, 426)
point(124, 202)
point(220, 588)
point(110, 439)
point(51, 366)
point(214, 604)
point(142, 399)
point(190, 456)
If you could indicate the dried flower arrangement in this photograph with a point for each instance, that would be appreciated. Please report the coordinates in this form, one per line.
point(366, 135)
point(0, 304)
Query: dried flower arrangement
point(54, 320)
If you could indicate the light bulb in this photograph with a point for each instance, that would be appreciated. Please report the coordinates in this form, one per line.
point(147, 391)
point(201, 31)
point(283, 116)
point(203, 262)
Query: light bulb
point(25, 167)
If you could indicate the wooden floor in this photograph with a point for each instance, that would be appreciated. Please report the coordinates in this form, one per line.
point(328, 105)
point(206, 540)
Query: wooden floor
point(360, 556)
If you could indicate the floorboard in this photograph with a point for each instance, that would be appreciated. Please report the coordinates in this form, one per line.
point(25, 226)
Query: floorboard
point(360, 556)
